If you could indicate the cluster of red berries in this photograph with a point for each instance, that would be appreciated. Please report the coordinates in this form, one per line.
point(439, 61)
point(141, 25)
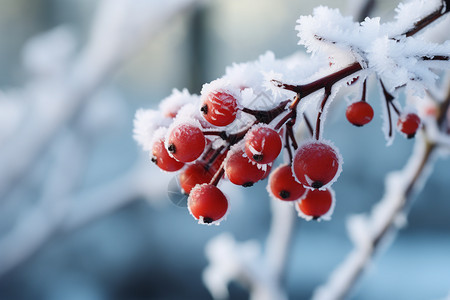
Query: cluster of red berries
point(207, 150)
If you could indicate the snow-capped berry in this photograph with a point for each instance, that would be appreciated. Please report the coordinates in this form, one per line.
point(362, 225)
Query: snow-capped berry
point(359, 113)
point(194, 174)
point(262, 144)
point(315, 203)
point(241, 171)
point(162, 159)
point(207, 202)
point(316, 164)
point(219, 108)
point(186, 142)
point(283, 185)
point(408, 124)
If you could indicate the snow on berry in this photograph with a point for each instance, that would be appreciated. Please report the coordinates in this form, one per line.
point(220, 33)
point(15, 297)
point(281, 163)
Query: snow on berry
point(146, 122)
point(408, 123)
point(185, 142)
point(207, 203)
point(317, 164)
point(316, 205)
point(262, 144)
point(359, 113)
point(219, 106)
point(170, 106)
point(282, 184)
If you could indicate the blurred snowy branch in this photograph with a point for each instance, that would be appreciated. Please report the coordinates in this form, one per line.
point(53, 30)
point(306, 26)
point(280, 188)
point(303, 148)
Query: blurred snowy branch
point(61, 113)
point(375, 231)
point(245, 263)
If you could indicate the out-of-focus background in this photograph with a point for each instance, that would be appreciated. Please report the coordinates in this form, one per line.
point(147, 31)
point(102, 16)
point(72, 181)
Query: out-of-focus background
point(83, 213)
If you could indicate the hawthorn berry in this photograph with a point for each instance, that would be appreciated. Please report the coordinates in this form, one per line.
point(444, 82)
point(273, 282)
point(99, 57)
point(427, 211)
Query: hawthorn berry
point(359, 113)
point(207, 203)
point(283, 185)
point(186, 142)
point(315, 203)
point(241, 171)
point(408, 124)
point(219, 108)
point(316, 164)
point(162, 159)
point(262, 144)
point(194, 174)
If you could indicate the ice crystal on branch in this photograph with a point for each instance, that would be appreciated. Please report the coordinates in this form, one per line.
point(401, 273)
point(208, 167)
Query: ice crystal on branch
point(388, 50)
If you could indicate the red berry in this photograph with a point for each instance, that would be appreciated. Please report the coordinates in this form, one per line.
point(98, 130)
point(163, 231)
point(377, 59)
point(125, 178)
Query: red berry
point(219, 108)
point(186, 142)
point(207, 201)
point(359, 113)
point(241, 171)
point(283, 184)
point(194, 174)
point(408, 124)
point(162, 158)
point(316, 164)
point(262, 144)
point(316, 203)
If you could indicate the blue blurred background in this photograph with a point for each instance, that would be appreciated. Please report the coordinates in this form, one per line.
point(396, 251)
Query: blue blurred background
point(61, 237)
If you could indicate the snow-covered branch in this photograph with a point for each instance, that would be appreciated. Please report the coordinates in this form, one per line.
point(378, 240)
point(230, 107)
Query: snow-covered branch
point(368, 233)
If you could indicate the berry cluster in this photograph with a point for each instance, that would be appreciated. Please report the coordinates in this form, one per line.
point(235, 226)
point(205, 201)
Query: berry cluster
point(231, 132)
point(215, 137)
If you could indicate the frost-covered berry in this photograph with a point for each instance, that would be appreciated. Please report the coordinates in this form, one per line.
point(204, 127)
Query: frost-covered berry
point(162, 159)
point(262, 144)
point(186, 142)
point(194, 174)
point(219, 108)
point(315, 204)
point(316, 164)
point(207, 203)
point(240, 170)
point(359, 113)
point(283, 185)
point(408, 124)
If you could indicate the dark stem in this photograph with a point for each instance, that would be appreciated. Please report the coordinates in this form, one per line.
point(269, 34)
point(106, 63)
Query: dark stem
point(421, 24)
point(215, 180)
point(308, 124)
point(213, 157)
point(388, 97)
point(436, 57)
point(364, 91)
point(286, 118)
point(287, 145)
point(268, 116)
point(322, 108)
point(290, 133)
point(327, 81)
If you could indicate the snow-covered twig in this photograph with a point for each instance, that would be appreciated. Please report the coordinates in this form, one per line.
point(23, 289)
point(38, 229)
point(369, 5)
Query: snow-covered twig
point(61, 216)
point(370, 232)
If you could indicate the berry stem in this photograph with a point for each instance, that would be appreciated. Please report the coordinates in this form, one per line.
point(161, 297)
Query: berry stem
point(213, 157)
point(308, 124)
point(290, 133)
point(322, 108)
point(364, 91)
point(327, 81)
point(218, 175)
point(268, 116)
point(287, 145)
point(421, 24)
point(389, 98)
